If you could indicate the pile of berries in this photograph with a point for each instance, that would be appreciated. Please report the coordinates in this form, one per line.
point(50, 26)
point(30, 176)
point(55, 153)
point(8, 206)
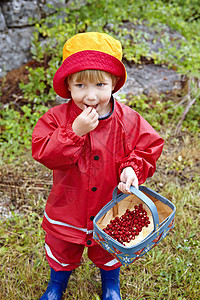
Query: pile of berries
point(129, 225)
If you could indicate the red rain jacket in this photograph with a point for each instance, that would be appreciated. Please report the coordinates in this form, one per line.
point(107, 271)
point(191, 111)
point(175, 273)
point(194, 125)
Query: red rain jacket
point(86, 169)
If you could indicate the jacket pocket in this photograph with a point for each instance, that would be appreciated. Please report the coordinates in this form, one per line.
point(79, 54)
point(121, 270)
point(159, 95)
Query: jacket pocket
point(62, 195)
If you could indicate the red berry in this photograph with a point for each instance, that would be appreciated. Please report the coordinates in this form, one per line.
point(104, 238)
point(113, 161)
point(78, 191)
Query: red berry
point(129, 225)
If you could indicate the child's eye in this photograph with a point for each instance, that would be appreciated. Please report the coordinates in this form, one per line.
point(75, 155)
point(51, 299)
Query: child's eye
point(100, 84)
point(79, 85)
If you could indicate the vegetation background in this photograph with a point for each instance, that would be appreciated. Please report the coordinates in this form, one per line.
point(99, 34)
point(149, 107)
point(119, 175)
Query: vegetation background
point(171, 270)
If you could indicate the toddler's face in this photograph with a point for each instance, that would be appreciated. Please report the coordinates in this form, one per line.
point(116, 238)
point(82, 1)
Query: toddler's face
point(96, 94)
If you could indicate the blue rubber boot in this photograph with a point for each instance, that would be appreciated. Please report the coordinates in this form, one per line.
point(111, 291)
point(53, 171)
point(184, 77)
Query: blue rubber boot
point(57, 285)
point(110, 284)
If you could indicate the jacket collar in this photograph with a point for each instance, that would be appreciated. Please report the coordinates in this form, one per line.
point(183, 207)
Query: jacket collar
point(106, 116)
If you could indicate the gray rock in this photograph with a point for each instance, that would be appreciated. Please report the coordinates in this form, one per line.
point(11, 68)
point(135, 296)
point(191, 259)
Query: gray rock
point(2, 21)
point(14, 48)
point(150, 78)
point(49, 7)
point(19, 13)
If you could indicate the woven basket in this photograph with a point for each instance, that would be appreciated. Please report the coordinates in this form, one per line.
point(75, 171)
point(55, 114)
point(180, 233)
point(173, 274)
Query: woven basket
point(161, 214)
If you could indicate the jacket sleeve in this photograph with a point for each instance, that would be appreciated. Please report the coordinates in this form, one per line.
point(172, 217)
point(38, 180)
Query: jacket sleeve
point(144, 147)
point(55, 145)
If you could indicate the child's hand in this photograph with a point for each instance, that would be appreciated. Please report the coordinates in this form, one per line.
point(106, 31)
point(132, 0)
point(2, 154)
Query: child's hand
point(86, 121)
point(128, 178)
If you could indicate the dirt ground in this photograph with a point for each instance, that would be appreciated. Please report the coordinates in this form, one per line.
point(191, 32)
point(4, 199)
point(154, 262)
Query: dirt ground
point(10, 91)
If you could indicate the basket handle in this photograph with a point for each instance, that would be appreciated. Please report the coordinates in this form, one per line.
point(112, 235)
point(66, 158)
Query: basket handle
point(145, 199)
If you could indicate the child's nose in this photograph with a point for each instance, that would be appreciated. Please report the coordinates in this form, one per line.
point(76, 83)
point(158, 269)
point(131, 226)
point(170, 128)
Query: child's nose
point(91, 94)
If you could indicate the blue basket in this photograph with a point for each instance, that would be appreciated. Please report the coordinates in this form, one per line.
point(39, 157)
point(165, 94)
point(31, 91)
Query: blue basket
point(160, 211)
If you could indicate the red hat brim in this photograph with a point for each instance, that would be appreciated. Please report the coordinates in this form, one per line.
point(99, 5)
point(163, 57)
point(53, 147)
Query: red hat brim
point(87, 60)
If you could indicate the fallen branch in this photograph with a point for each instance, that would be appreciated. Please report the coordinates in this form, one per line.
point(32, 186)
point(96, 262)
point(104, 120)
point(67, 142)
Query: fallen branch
point(190, 103)
point(179, 125)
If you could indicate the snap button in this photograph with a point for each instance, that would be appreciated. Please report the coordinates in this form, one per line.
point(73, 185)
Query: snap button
point(89, 242)
point(94, 189)
point(96, 157)
point(92, 218)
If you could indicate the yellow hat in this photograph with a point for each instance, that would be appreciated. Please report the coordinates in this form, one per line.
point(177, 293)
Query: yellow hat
point(90, 50)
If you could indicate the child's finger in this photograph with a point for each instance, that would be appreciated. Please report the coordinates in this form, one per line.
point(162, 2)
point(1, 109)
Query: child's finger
point(135, 183)
point(122, 187)
point(87, 109)
point(128, 184)
point(93, 114)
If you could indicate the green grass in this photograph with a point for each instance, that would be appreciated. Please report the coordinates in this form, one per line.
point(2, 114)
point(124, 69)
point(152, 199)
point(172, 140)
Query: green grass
point(169, 271)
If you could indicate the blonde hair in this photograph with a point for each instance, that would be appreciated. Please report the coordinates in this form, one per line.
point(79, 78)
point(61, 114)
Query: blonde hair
point(92, 76)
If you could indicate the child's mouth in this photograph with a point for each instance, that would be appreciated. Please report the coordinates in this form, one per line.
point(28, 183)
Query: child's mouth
point(93, 106)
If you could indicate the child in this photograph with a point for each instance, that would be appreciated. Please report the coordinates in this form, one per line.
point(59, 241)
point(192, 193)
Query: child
point(92, 143)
